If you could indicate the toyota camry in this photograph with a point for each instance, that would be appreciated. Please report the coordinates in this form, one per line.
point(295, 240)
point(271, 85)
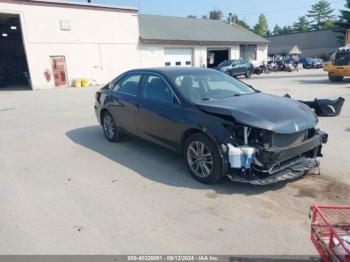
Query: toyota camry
point(220, 125)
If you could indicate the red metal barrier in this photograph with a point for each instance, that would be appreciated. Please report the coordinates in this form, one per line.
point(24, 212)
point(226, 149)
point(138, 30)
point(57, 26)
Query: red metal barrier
point(330, 232)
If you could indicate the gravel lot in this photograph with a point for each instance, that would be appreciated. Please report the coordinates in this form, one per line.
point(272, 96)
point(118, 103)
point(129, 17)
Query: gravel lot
point(65, 190)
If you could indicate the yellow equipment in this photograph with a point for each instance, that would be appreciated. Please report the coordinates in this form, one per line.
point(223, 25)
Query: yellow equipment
point(77, 83)
point(85, 83)
point(339, 64)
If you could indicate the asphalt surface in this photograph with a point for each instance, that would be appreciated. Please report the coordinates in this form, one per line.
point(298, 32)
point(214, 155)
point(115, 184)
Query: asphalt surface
point(65, 190)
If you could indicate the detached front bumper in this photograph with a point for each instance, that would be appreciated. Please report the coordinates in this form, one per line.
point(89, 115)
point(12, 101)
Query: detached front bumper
point(275, 164)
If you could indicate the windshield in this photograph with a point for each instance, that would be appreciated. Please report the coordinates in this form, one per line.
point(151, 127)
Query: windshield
point(309, 60)
point(225, 63)
point(208, 85)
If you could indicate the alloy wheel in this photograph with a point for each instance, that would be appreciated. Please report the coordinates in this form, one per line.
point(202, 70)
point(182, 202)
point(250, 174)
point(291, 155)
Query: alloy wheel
point(109, 126)
point(200, 159)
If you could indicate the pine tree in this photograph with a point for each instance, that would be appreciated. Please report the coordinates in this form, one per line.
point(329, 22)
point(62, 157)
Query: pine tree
point(344, 22)
point(321, 15)
point(287, 29)
point(216, 15)
point(302, 25)
point(277, 30)
point(233, 18)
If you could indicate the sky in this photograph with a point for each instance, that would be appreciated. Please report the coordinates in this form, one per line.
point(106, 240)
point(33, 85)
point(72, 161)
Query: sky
point(281, 12)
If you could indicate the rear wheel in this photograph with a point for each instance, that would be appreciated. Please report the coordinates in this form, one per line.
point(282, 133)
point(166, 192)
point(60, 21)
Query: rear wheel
point(267, 70)
point(334, 78)
point(248, 74)
point(202, 158)
point(109, 127)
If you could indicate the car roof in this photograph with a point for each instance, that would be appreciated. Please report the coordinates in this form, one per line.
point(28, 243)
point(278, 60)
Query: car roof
point(178, 70)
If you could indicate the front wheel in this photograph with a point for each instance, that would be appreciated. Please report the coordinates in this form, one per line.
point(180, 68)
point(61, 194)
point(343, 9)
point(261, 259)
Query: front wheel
point(228, 72)
point(109, 127)
point(203, 159)
point(334, 78)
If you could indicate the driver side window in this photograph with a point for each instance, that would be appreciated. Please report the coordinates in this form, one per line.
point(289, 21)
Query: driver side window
point(235, 64)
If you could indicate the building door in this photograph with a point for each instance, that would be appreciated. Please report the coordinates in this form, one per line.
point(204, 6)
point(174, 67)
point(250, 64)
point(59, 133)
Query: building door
point(178, 57)
point(216, 56)
point(14, 72)
point(59, 70)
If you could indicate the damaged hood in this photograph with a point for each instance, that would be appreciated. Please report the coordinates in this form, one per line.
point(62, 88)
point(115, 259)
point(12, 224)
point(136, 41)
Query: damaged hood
point(274, 113)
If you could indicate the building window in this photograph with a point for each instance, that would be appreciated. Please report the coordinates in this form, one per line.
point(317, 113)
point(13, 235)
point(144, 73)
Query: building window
point(248, 52)
point(167, 64)
point(178, 63)
point(188, 63)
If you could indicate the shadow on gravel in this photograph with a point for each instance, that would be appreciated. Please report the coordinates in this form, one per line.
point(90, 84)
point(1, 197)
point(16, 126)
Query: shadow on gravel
point(15, 88)
point(324, 81)
point(155, 163)
point(278, 75)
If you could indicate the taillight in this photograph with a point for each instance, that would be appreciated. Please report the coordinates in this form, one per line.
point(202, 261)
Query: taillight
point(98, 96)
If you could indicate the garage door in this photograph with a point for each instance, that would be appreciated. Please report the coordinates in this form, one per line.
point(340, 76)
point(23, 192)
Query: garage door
point(178, 57)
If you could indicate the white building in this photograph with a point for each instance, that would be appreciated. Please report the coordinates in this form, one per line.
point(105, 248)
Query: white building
point(57, 42)
point(180, 41)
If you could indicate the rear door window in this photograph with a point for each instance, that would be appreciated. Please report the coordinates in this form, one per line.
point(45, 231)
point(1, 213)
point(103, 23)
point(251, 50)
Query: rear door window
point(128, 85)
point(155, 88)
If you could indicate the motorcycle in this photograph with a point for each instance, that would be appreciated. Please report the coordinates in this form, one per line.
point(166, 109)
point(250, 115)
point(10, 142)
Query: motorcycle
point(273, 66)
point(264, 68)
point(257, 70)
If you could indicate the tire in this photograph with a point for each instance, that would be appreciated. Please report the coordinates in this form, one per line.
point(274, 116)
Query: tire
point(202, 159)
point(109, 127)
point(334, 78)
point(257, 71)
point(267, 70)
point(232, 75)
point(228, 72)
point(248, 74)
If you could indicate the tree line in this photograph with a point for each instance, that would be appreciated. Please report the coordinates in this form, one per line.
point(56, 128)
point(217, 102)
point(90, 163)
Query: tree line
point(320, 16)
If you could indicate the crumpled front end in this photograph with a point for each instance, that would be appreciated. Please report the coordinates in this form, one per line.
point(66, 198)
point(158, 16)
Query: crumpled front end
point(263, 157)
point(271, 138)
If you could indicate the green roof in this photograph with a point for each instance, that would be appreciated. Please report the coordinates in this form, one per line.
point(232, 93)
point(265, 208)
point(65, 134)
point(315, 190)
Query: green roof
point(169, 29)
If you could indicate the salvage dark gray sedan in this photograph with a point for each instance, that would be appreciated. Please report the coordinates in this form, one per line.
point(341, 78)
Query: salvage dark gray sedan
point(221, 126)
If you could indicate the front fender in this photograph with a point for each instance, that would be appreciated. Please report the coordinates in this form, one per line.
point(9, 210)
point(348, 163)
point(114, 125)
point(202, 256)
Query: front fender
point(211, 126)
